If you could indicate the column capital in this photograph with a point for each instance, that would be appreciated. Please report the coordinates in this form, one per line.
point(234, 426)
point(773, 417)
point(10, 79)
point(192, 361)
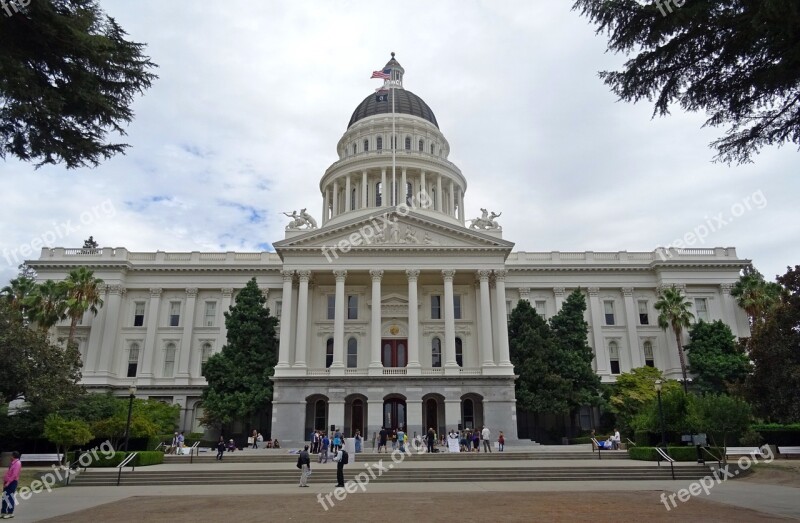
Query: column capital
point(227, 292)
point(287, 275)
point(264, 291)
point(484, 274)
point(627, 291)
point(593, 291)
point(304, 275)
point(376, 274)
point(726, 287)
point(412, 274)
point(500, 275)
point(116, 289)
point(524, 293)
point(155, 292)
point(448, 274)
point(664, 286)
point(340, 275)
point(191, 292)
point(559, 291)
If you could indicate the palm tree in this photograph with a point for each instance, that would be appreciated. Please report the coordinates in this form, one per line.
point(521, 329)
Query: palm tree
point(674, 313)
point(47, 305)
point(82, 294)
point(16, 294)
point(755, 295)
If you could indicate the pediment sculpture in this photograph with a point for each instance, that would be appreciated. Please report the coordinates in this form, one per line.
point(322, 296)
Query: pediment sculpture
point(486, 221)
point(300, 221)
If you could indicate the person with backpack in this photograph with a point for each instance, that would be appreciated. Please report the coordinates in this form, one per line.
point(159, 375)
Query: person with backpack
point(323, 451)
point(341, 458)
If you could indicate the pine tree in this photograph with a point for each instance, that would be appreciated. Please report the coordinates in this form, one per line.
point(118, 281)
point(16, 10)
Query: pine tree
point(238, 377)
point(717, 361)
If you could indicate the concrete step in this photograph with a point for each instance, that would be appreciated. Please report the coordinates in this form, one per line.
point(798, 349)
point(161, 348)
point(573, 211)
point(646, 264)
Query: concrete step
point(396, 475)
point(255, 457)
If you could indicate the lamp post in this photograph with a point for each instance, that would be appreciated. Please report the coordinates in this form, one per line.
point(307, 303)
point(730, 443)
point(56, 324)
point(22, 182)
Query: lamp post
point(132, 392)
point(661, 414)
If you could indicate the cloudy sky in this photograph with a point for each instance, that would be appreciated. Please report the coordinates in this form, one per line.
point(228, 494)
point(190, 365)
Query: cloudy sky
point(252, 98)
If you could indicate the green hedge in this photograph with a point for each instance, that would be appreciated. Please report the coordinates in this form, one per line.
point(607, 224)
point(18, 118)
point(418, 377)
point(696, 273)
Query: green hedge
point(676, 453)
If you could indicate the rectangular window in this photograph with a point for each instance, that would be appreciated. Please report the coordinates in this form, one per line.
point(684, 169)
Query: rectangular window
point(278, 307)
point(649, 361)
point(608, 307)
point(138, 314)
point(644, 318)
point(540, 306)
point(331, 306)
point(352, 307)
point(211, 313)
point(613, 356)
point(133, 360)
point(457, 306)
point(701, 306)
point(508, 311)
point(436, 307)
point(174, 313)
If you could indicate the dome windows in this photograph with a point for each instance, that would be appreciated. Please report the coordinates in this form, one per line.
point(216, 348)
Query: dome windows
point(408, 143)
point(379, 143)
point(366, 146)
point(421, 146)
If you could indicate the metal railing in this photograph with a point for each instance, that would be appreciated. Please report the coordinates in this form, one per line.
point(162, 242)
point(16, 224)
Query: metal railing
point(193, 450)
point(665, 456)
point(75, 465)
point(128, 459)
point(715, 458)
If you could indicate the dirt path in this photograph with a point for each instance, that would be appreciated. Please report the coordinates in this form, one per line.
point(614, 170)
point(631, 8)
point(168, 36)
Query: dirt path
point(493, 507)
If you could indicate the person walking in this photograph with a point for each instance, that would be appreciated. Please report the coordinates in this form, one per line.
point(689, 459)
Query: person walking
point(486, 437)
point(220, 448)
point(341, 458)
point(304, 464)
point(10, 481)
point(615, 440)
point(401, 440)
point(476, 441)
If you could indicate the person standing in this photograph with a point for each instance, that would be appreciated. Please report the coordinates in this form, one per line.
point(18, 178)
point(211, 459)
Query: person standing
point(359, 440)
point(323, 451)
point(487, 442)
point(430, 439)
point(501, 442)
point(10, 481)
point(304, 464)
point(382, 440)
point(615, 441)
point(401, 440)
point(341, 458)
point(476, 440)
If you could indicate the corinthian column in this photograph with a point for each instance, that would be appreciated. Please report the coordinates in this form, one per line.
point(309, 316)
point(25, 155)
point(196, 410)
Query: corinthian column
point(449, 320)
point(286, 320)
point(413, 319)
point(486, 319)
point(302, 319)
point(500, 319)
point(338, 321)
point(375, 322)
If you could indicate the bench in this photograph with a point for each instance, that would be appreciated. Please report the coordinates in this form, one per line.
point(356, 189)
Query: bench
point(789, 451)
point(41, 458)
point(744, 451)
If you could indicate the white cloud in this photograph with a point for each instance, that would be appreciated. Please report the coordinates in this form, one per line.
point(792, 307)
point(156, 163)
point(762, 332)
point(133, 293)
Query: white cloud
point(253, 97)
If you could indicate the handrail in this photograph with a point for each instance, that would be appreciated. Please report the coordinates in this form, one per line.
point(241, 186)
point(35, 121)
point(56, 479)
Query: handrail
point(599, 448)
point(75, 465)
point(159, 446)
point(631, 442)
point(130, 457)
point(192, 451)
point(717, 459)
point(666, 456)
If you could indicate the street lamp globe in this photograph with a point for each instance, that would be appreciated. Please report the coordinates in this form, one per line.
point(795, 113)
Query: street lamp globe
point(132, 390)
point(658, 385)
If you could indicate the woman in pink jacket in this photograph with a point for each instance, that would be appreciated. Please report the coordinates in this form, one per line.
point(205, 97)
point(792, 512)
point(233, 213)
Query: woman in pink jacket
point(10, 481)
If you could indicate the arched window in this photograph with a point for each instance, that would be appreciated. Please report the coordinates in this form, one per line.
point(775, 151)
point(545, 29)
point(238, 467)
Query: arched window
point(169, 360)
point(379, 143)
point(408, 143)
point(432, 149)
point(433, 199)
point(329, 353)
point(133, 360)
point(352, 353)
point(378, 196)
point(366, 145)
point(613, 356)
point(205, 353)
point(459, 352)
point(353, 194)
point(469, 413)
point(436, 352)
point(648, 354)
point(409, 191)
point(320, 415)
point(421, 146)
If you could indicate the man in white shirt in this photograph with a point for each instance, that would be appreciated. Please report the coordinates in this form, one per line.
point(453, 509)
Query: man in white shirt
point(616, 440)
point(487, 443)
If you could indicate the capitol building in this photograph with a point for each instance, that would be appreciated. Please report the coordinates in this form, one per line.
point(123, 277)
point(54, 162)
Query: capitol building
point(393, 304)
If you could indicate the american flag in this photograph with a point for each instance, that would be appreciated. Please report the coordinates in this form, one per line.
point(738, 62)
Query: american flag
point(385, 74)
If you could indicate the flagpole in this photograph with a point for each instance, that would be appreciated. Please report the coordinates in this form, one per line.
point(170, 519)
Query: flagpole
point(394, 146)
